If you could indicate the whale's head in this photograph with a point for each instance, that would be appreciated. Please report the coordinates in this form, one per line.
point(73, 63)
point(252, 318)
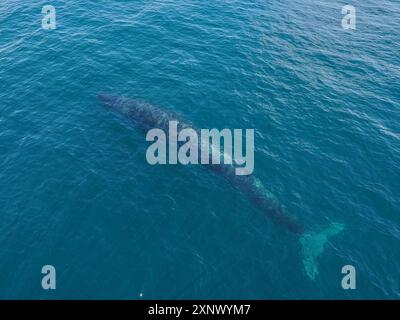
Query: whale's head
point(112, 102)
point(121, 105)
point(108, 100)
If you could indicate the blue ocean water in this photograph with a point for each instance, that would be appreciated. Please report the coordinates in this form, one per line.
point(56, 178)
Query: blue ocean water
point(76, 191)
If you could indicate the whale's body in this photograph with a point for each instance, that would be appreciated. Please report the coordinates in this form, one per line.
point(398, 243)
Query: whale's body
point(147, 116)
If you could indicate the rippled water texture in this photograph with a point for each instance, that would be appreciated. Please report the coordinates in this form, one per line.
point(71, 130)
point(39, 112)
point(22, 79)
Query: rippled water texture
point(76, 191)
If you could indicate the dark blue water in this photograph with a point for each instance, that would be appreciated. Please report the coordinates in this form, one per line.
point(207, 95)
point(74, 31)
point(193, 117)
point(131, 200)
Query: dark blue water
point(76, 191)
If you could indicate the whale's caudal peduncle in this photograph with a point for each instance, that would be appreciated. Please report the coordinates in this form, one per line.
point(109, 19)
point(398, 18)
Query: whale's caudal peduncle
point(148, 116)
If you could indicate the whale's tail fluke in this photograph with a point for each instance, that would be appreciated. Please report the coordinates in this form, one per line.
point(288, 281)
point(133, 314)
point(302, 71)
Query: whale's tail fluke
point(313, 244)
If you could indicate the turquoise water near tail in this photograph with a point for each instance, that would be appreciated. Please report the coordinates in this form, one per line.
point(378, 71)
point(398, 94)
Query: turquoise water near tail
point(76, 191)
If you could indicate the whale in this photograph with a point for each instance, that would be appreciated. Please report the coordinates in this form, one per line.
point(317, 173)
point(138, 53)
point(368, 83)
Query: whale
point(147, 116)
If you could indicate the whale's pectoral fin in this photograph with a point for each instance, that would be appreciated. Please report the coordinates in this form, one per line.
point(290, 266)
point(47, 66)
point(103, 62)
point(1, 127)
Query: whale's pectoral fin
point(313, 244)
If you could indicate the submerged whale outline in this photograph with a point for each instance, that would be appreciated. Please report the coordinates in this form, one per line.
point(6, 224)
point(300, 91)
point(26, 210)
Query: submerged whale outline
point(147, 116)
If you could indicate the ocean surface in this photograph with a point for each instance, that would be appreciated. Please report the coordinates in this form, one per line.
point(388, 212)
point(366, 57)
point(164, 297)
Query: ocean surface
point(77, 193)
